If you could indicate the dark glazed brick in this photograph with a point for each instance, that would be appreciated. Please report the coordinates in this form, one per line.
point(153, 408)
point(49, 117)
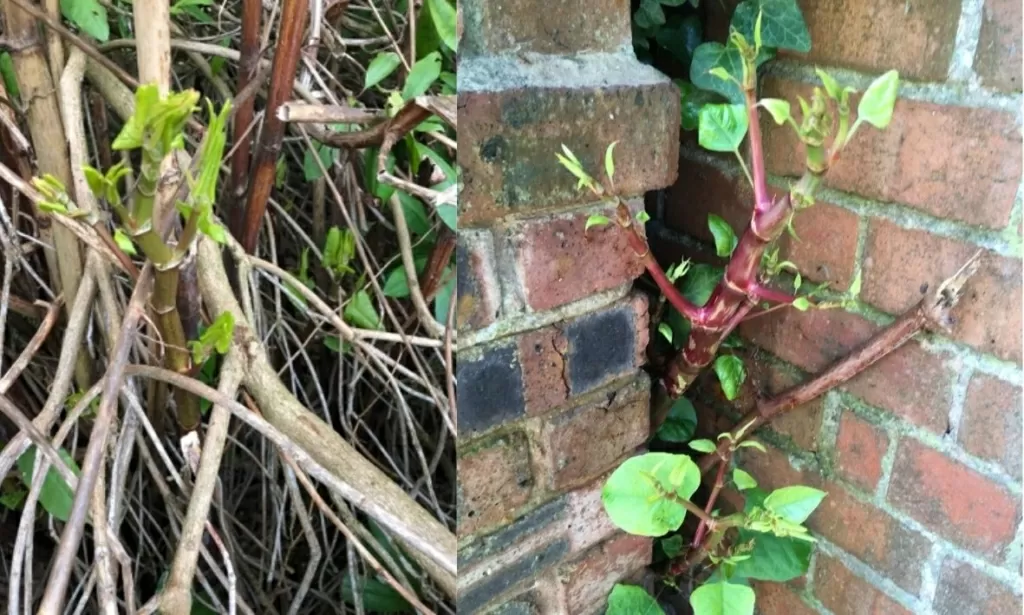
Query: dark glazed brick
point(502, 580)
point(528, 524)
point(477, 288)
point(490, 389)
point(601, 346)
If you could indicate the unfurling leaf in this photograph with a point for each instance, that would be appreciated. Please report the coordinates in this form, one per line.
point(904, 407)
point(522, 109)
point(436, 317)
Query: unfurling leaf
point(778, 108)
point(725, 238)
point(722, 127)
point(124, 242)
point(831, 85)
point(731, 374)
point(878, 101)
point(596, 220)
point(753, 444)
point(609, 161)
point(666, 331)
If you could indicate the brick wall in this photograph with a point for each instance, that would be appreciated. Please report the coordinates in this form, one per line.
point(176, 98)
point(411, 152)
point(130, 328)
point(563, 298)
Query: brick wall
point(921, 454)
point(551, 397)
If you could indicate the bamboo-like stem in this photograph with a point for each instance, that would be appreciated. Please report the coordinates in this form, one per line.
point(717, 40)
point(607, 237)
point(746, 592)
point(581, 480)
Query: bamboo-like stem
point(286, 59)
point(246, 111)
point(46, 131)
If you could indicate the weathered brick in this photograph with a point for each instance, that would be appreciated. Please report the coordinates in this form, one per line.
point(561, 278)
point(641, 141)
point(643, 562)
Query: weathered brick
point(998, 59)
point(490, 388)
point(591, 577)
point(872, 536)
point(844, 593)
point(545, 517)
point(523, 604)
point(589, 524)
point(477, 289)
point(964, 590)
point(777, 599)
point(517, 115)
point(561, 263)
point(860, 447)
point(811, 340)
point(495, 478)
point(601, 346)
point(991, 424)
point(901, 265)
point(524, 26)
point(701, 190)
point(952, 500)
point(542, 353)
point(867, 533)
point(642, 324)
point(827, 248)
point(870, 35)
point(952, 162)
point(766, 379)
point(911, 382)
point(584, 442)
point(473, 599)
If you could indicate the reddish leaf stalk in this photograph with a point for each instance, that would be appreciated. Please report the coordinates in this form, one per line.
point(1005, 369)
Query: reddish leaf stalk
point(246, 111)
point(286, 60)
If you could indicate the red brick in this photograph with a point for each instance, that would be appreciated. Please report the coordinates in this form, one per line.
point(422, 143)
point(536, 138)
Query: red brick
point(542, 27)
point(811, 340)
point(867, 533)
point(871, 35)
point(953, 500)
point(964, 590)
point(477, 288)
point(494, 480)
point(545, 382)
point(702, 190)
point(777, 599)
point(801, 424)
point(991, 425)
point(589, 579)
point(584, 442)
point(844, 593)
point(901, 265)
point(860, 448)
point(827, 247)
point(912, 383)
point(513, 127)
point(561, 264)
point(951, 162)
point(998, 60)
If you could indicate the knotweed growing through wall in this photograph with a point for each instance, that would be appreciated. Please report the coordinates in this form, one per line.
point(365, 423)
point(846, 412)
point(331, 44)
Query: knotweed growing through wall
point(650, 495)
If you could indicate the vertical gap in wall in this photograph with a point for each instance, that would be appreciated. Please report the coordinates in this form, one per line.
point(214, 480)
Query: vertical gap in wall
point(930, 572)
point(958, 396)
point(831, 408)
point(888, 461)
point(1013, 551)
point(858, 255)
point(968, 32)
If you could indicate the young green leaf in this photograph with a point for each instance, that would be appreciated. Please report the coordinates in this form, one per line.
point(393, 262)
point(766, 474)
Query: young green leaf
point(13, 498)
point(879, 99)
point(773, 558)
point(831, 85)
point(743, 480)
point(703, 446)
point(449, 215)
point(673, 545)
point(442, 13)
point(422, 75)
point(10, 76)
point(778, 108)
point(396, 285)
point(665, 330)
point(124, 242)
point(310, 168)
point(380, 67)
point(795, 503)
point(89, 15)
point(722, 127)
point(753, 444)
point(801, 303)
point(725, 238)
point(609, 161)
point(361, 313)
point(855, 286)
point(596, 220)
point(643, 217)
point(633, 499)
point(680, 423)
point(723, 598)
point(56, 496)
point(731, 374)
point(700, 282)
point(632, 600)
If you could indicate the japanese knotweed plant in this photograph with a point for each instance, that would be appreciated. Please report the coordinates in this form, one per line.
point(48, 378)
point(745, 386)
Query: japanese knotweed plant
point(156, 130)
point(650, 495)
